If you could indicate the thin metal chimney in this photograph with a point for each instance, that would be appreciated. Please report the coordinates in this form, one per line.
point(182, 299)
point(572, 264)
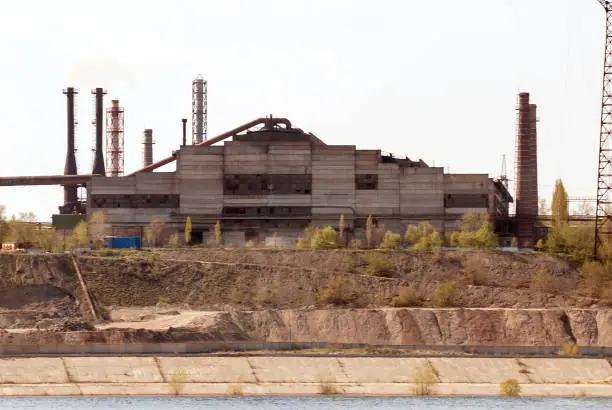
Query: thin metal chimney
point(147, 154)
point(184, 121)
point(98, 162)
point(199, 112)
point(70, 191)
point(526, 171)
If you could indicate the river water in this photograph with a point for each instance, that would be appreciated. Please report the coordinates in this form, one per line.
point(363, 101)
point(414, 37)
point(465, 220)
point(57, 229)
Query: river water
point(299, 403)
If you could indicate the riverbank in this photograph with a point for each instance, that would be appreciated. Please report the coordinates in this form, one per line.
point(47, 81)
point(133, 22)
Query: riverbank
point(264, 375)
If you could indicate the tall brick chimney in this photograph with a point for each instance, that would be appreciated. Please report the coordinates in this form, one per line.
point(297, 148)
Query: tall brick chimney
point(526, 171)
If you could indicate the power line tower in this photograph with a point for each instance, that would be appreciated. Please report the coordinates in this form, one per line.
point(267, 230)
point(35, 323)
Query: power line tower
point(603, 212)
point(199, 110)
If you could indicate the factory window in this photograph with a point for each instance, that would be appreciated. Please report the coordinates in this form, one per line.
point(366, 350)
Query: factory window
point(268, 211)
point(466, 201)
point(135, 201)
point(254, 184)
point(366, 181)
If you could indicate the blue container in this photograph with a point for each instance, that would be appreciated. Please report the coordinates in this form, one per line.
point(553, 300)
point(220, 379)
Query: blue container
point(122, 242)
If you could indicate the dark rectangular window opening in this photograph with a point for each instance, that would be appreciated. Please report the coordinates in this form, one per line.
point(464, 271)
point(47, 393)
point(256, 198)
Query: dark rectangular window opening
point(366, 181)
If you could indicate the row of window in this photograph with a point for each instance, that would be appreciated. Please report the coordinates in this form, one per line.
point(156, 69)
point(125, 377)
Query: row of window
point(262, 184)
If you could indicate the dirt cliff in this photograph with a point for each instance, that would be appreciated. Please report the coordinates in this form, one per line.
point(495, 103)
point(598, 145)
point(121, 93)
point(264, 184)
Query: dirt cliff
point(276, 295)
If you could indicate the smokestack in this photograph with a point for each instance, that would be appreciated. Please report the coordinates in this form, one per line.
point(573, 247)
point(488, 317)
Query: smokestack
point(147, 157)
point(199, 113)
point(184, 121)
point(98, 162)
point(70, 191)
point(114, 139)
point(526, 171)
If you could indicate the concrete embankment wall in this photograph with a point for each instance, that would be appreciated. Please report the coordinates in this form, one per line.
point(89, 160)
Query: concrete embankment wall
point(296, 375)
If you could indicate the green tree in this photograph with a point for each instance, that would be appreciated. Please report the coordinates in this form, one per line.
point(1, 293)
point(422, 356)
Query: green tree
point(218, 233)
point(97, 228)
point(188, 230)
point(369, 229)
point(559, 209)
point(155, 232)
point(79, 238)
point(341, 228)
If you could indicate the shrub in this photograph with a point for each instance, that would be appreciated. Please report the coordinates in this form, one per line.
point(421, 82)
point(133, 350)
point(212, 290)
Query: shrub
point(391, 241)
point(541, 281)
point(379, 264)
point(155, 232)
point(476, 269)
point(324, 238)
point(569, 349)
point(327, 389)
point(338, 290)
point(355, 244)
point(173, 241)
point(407, 297)
point(431, 242)
point(425, 379)
point(177, 381)
point(595, 276)
point(510, 387)
point(161, 300)
point(235, 389)
point(305, 238)
point(576, 241)
point(475, 232)
point(412, 235)
point(444, 294)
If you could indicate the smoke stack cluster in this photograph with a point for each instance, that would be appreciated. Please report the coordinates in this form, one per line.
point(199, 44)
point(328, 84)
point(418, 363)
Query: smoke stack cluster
point(526, 171)
point(147, 155)
point(70, 191)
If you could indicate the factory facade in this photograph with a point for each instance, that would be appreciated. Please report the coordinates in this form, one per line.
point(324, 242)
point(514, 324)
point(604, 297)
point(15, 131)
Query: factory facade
point(278, 180)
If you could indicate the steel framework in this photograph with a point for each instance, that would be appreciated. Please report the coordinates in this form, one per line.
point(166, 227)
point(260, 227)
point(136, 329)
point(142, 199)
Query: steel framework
point(199, 110)
point(114, 139)
point(603, 212)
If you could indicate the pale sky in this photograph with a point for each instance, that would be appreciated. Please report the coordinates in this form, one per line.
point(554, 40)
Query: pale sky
point(435, 80)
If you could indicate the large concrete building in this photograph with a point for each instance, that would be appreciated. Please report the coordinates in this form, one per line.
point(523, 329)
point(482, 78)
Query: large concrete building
point(279, 180)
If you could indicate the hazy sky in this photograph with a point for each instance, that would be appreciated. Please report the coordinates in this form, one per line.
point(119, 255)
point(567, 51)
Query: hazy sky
point(435, 80)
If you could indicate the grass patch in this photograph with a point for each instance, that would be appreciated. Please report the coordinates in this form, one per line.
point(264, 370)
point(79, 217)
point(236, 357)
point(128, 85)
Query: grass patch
point(407, 297)
point(510, 387)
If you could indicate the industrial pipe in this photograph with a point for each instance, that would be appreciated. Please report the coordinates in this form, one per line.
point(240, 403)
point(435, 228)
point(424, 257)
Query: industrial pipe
point(268, 122)
point(45, 180)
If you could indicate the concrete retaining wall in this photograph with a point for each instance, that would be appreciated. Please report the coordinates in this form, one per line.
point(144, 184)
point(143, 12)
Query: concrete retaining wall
point(296, 375)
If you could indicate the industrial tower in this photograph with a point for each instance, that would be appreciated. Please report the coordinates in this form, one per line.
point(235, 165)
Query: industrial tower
point(603, 212)
point(199, 110)
point(98, 159)
point(114, 139)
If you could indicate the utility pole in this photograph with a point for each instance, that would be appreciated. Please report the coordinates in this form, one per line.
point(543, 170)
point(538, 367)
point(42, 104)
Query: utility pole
point(603, 211)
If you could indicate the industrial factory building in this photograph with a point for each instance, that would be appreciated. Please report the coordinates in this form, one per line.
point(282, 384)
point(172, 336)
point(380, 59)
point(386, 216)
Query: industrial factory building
point(278, 180)
point(273, 180)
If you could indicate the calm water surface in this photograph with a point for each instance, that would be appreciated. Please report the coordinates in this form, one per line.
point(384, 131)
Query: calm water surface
point(306, 403)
